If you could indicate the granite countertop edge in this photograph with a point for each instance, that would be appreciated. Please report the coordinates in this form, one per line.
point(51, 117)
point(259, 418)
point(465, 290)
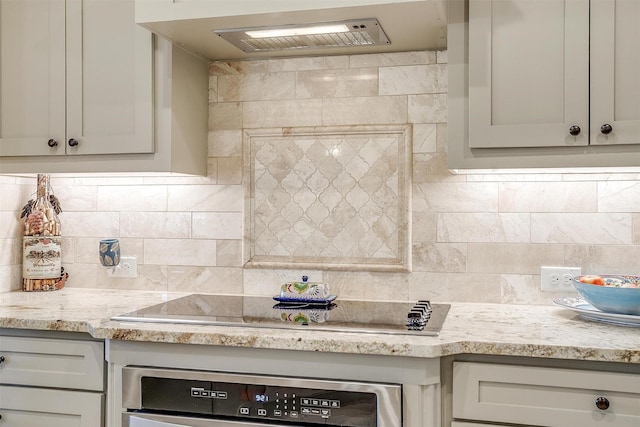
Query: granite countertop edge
point(470, 328)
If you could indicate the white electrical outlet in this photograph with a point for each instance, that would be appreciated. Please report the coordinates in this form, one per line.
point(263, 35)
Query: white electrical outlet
point(128, 267)
point(558, 279)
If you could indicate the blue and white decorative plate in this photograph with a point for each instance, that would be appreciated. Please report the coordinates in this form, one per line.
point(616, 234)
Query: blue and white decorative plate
point(589, 312)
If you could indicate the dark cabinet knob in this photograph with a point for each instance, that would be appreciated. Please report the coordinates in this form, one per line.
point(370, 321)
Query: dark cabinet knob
point(602, 403)
point(1, 360)
point(574, 130)
point(606, 129)
point(52, 143)
point(73, 142)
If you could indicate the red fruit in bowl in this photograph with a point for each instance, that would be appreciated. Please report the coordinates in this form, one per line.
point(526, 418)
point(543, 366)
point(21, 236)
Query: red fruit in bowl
point(593, 280)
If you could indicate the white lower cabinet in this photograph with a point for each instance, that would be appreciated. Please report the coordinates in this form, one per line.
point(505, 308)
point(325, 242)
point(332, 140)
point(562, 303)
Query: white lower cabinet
point(29, 407)
point(53, 382)
point(543, 396)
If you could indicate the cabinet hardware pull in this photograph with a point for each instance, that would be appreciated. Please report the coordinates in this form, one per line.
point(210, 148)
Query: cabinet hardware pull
point(73, 142)
point(606, 129)
point(52, 143)
point(1, 360)
point(574, 130)
point(602, 403)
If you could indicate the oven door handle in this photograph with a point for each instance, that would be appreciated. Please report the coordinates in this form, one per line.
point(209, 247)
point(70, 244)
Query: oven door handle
point(153, 420)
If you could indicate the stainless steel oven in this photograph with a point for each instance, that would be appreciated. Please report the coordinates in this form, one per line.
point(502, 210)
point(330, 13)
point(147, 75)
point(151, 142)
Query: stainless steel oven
point(155, 397)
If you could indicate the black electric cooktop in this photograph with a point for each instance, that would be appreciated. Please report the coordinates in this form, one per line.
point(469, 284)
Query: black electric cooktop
point(407, 318)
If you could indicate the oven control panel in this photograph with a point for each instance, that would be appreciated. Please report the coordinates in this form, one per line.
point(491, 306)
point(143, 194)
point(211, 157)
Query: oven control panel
point(260, 401)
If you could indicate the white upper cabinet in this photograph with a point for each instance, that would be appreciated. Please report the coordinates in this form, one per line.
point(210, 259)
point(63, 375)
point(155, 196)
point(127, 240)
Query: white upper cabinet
point(76, 79)
point(615, 72)
point(528, 72)
point(84, 89)
point(552, 83)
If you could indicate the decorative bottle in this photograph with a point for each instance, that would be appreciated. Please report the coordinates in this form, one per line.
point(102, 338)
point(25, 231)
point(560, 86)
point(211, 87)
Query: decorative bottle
point(41, 244)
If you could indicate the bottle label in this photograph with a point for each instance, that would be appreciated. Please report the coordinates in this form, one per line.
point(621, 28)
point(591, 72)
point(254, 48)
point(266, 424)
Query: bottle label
point(41, 257)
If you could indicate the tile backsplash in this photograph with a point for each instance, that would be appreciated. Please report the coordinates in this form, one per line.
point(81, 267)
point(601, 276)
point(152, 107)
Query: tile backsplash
point(476, 237)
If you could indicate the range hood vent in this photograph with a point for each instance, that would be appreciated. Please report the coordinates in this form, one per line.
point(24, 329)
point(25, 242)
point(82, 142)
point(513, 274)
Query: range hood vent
point(353, 33)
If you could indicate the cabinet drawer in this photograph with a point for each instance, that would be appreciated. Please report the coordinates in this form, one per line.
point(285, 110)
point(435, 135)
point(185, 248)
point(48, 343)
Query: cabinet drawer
point(552, 397)
point(52, 363)
point(28, 407)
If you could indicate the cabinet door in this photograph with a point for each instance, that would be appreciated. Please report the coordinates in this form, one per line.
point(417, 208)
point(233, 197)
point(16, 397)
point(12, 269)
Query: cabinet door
point(109, 78)
point(615, 71)
point(29, 407)
point(528, 72)
point(32, 77)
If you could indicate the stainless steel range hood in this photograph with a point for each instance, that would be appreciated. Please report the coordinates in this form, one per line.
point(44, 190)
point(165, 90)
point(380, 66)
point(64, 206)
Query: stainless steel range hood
point(203, 26)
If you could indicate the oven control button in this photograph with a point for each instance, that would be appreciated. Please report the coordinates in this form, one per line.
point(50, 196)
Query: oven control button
point(324, 403)
point(293, 414)
point(325, 413)
point(335, 403)
point(262, 412)
point(277, 413)
point(244, 411)
point(222, 395)
point(306, 411)
point(304, 401)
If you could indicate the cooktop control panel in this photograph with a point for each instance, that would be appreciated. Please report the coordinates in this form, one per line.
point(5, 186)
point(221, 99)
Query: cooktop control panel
point(264, 400)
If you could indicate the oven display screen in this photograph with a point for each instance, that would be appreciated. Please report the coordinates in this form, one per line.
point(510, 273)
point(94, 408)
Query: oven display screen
point(286, 405)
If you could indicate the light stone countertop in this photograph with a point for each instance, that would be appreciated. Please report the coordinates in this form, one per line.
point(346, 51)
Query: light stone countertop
point(471, 328)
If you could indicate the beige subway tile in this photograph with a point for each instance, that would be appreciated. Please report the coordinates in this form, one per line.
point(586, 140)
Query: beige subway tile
point(225, 115)
point(213, 89)
point(155, 224)
point(256, 87)
point(455, 287)
point(90, 224)
point(150, 278)
point(394, 58)
point(512, 258)
point(484, 227)
point(205, 198)
point(218, 280)
point(10, 278)
point(77, 197)
point(337, 83)
point(548, 197)
point(217, 225)
point(225, 143)
point(439, 257)
point(424, 226)
point(189, 252)
point(455, 197)
point(229, 170)
point(84, 276)
point(225, 68)
point(409, 79)
point(525, 289)
point(287, 113)
point(11, 226)
point(442, 56)
point(603, 259)
point(145, 198)
point(364, 110)
point(432, 167)
point(430, 108)
point(229, 253)
point(582, 228)
point(308, 63)
point(368, 285)
point(424, 138)
point(619, 196)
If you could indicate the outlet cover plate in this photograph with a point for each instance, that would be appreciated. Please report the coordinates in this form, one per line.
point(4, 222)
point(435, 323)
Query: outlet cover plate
point(558, 279)
point(128, 267)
